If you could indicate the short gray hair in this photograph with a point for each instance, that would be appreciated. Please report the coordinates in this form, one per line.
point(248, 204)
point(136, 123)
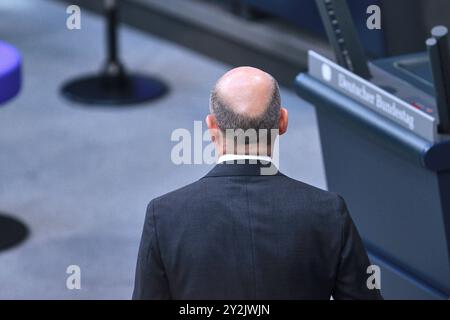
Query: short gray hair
point(228, 119)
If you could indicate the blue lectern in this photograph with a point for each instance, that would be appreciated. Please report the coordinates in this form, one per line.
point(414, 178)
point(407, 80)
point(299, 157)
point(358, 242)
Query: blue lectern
point(385, 157)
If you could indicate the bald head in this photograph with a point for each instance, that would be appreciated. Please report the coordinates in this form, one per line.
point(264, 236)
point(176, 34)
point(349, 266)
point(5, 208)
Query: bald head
point(246, 91)
point(246, 98)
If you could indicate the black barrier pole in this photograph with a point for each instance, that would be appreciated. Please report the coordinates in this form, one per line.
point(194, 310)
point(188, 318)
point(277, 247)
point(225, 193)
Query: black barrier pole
point(113, 70)
point(111, 16)
point(113, 86)
point(113, 66)
point(438, 52)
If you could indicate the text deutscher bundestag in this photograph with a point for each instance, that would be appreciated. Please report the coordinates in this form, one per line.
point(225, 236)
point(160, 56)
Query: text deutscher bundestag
point(375, 99)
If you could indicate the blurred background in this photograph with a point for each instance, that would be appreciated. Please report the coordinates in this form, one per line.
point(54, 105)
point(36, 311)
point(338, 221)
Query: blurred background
point(75, 179)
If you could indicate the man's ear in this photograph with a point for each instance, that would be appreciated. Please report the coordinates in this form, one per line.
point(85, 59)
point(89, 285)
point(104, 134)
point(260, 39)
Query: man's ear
point(213, 128)
point(211, 121)
point(283, 121)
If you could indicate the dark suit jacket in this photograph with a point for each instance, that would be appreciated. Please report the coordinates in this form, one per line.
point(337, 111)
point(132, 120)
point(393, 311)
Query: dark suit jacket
point(236, 234)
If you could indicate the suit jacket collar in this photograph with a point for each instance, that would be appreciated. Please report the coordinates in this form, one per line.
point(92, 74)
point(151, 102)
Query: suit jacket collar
point(234, 169)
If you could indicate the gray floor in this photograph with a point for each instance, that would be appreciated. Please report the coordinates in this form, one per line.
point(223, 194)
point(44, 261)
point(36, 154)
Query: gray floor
point(81, 178)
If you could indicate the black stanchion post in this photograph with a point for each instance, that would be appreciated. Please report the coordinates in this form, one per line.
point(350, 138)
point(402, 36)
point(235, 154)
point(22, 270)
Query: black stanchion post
point(438, 52)
point(113, 70)
point(113, 86)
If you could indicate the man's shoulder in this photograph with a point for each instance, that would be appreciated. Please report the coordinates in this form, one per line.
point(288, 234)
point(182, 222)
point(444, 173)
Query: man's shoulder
point(184, 192)
point(322, 199)
point(303, 188)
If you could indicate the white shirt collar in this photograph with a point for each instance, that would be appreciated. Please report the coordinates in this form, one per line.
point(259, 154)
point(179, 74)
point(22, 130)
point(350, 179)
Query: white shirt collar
point(233, 157)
